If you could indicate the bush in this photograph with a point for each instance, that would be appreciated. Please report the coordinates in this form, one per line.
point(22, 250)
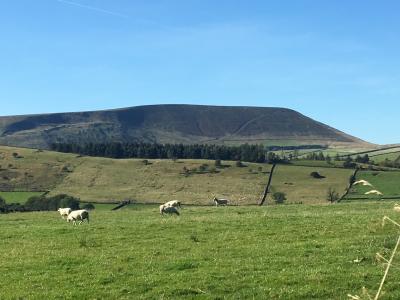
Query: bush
point(39, 203)
point(239, 164)
point(279, 197)
point(332, 195)
point(316, 175)
point(203, 168)
point(88, 206)
point(217, 163)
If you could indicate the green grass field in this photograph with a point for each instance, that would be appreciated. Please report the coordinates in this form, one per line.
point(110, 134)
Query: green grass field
point(385, 182)
point(18, 197)
point(273, 252)
point(299, 186)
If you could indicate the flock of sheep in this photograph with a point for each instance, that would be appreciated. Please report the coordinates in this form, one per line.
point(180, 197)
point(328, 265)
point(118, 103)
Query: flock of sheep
point(366, 183)
point(171, 207)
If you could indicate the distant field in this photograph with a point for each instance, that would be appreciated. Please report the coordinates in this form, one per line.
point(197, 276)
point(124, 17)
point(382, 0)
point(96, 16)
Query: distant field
point(18, 197)
point(111, 180)
point(299, 186)
point(273, 252)
point(385, 182)
point(381, 157)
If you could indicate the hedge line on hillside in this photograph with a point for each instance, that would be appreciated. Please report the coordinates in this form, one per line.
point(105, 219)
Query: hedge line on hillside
point(40, 203)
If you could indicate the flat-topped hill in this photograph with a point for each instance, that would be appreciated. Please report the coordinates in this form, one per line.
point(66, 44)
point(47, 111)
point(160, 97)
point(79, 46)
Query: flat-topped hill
point(186, 124)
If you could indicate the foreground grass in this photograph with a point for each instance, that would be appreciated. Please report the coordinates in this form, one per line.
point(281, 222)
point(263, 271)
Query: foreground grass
point(286, 252)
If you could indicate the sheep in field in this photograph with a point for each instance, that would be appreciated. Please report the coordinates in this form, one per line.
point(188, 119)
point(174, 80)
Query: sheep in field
point(374, 192)
point(64, 212)
point(173, 203)
point(219, 202)
point(396, 207)
point(362, 182)
point(168, 210)
point(78, 215)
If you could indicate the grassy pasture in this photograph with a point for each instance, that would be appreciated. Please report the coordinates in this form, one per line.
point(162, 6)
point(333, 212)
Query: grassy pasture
point(381, 157)
point(299, 186)
point(385, 182)
point(103, 179)
point(273, 252)
point(18, 197)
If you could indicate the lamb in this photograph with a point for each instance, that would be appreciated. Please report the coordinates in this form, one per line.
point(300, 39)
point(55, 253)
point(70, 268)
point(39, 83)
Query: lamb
point(173, 203)
point(396, 207)
point(168, 210)
point(64, 212)
point(219, 202)
point(78, 215)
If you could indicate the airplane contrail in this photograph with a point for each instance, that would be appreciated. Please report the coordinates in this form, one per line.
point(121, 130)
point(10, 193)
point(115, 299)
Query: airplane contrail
point(93, 8)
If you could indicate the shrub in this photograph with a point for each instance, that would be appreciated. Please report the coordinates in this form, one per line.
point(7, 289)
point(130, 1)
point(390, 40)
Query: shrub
point(332, 195)
point(88, 206)
point(39, 203)
point(203, 168)
point(279, 197)
point(218, 163)
point(316, 175)
point(239, 164)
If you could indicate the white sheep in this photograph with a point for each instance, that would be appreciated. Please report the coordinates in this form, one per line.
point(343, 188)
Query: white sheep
point(375, 192)
point(396, 207)
point(219, 202)
point(173, 203)
point(168, 210)
point(362, 182)
point(78, 215)
point(64, 212)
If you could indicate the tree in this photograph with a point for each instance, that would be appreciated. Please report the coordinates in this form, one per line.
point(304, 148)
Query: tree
point(279, 197)
point(348, 163)
point(332, 195)
point(217, 163)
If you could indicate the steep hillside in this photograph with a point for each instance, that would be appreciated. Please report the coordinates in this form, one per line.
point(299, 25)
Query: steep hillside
point(172, 124)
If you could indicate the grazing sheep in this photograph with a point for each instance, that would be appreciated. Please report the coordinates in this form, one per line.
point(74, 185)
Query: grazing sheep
point(78, 215)
point(219, 202)
point(363, 182)
point(173, 203)
point(64, 212)
point(168, 210)
point(396, 207)
point(374, 192)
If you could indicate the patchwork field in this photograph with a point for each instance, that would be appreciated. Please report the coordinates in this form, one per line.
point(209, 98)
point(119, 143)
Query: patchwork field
point(155, 181)
point(272, 252)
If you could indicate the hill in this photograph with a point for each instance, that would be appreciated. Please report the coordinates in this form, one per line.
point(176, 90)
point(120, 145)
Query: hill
point(186, 124)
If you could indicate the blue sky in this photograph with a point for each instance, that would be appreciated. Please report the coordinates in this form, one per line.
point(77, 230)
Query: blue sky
point(335, 61)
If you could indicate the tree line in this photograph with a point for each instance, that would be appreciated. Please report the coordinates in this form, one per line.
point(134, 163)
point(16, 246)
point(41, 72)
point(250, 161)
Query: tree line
point(246, 152)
